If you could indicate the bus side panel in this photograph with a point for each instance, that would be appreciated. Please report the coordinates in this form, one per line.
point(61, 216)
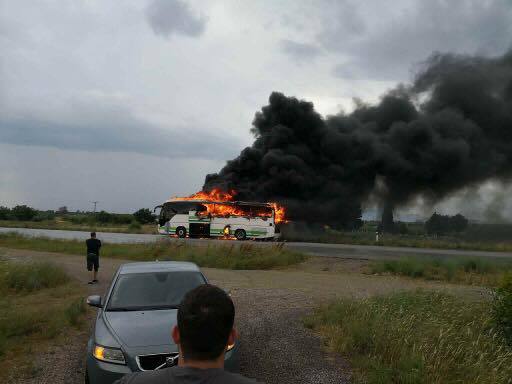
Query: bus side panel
point(254, 227)
point(261, 228)
point(179, 220)
point(217, 226)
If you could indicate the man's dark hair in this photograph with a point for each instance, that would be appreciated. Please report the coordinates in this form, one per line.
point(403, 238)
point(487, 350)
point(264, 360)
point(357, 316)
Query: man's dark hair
point(205, 319)
point(93, 234)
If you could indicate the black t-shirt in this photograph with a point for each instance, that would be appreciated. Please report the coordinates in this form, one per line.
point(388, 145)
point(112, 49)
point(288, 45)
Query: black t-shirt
point(185, 375)
point(93, 246)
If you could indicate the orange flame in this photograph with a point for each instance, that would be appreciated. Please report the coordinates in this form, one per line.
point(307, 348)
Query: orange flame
point(220, 210)
point(280, 213)
point(214, 195)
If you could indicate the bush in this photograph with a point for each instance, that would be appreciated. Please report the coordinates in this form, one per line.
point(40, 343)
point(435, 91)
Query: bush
point(5, 213)
point(472, 270)
point(229, 255)
point(121, 218)
point(23, 212)
point(403, 229)
point(234, 256)
point(44, 216)
point(3, 343)
point(78, 219)
point(134, 226)
point(29, 317)
point(75, 311)
point(103, 217)
point(440, 224)
point(32, 277)
point(416, 337)
point(502, 307)
point(144, 216)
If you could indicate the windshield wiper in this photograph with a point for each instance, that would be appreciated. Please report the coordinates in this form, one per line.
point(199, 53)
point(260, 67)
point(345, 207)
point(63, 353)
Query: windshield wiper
point(142, 308)
point(157, 307)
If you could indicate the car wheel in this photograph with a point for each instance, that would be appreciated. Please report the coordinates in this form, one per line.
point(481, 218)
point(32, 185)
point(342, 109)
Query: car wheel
point(240, 234)
point(181, 232)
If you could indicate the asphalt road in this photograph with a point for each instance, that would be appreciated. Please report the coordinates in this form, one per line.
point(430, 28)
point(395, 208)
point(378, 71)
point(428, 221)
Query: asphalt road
point(362, 252)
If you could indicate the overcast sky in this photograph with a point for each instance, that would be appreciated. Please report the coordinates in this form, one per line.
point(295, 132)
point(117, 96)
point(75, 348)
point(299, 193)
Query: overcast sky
point(130, 102)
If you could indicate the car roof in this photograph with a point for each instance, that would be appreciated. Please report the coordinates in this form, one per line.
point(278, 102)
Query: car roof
point(158, 266)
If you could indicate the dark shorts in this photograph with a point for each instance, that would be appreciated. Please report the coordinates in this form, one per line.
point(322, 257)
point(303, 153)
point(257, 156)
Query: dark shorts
point(93, 261)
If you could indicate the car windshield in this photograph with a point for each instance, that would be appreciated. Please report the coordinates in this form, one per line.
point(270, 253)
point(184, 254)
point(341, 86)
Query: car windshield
point(152, 291)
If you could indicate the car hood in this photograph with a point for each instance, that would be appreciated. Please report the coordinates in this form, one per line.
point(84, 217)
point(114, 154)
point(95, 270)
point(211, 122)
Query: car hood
point(143, 328)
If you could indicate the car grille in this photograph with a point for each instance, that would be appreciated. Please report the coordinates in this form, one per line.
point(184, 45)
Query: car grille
point(151, 362)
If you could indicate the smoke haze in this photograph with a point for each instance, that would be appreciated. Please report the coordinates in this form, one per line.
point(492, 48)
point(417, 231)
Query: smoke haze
point(450, 129)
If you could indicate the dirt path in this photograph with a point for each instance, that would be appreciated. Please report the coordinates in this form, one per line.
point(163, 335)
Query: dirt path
point(276, 348)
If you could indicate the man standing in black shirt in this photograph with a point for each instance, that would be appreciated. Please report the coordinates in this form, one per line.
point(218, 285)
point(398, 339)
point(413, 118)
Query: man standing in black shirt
point(93, 256)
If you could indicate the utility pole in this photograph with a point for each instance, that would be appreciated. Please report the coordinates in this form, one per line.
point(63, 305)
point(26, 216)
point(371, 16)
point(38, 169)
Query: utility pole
point(95, 202)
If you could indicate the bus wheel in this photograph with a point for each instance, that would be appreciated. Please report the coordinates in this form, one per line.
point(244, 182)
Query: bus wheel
point(181, 232)
point(240, 234)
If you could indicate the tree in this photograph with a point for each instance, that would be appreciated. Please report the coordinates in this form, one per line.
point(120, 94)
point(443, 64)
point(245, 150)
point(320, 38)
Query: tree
point(144, 216)
point(23, 212)
point(403, 229)
point(103, 217)
point(459, 223)
point(434, 224)
point(5, 213)
point(440, 224)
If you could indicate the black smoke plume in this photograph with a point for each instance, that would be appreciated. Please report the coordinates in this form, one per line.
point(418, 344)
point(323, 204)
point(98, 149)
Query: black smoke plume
point(451, 128)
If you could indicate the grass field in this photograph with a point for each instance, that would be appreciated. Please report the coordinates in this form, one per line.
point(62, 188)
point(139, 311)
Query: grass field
point(69, 226)
point(232, 255)
point(476, 238)
point(416, 337)
point(474, 270)
point(363, 238)
point(38, 304)
point(482, 237)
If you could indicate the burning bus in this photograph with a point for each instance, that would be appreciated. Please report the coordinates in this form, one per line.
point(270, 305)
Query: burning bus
point(217, 214)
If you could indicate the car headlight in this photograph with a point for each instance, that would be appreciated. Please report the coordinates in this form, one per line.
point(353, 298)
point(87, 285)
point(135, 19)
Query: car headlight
point(109, 355)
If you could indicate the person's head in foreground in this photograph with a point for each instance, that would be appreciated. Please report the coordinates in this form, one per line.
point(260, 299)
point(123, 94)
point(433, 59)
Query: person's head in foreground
point(203, 334)
point(93, 235)
point(205, 327)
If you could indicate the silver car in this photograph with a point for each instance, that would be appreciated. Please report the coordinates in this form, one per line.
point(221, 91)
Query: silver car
point(133, 327)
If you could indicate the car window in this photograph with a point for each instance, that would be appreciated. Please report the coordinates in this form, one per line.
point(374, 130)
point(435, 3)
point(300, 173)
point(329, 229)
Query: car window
point(155, 290)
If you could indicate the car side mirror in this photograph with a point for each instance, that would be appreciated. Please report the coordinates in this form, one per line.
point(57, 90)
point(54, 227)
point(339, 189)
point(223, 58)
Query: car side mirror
point(94, 301)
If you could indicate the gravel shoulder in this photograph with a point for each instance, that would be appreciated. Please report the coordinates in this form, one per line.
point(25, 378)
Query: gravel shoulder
point(276, 348)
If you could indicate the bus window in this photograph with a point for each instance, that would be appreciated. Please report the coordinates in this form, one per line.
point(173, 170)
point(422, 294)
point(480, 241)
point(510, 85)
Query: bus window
point(175, 208)
point(263, 212)
point(201, 210)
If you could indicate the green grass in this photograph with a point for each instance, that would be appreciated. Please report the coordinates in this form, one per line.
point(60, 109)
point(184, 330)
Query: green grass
point(38, 303)
point(416, 337)
point(75, 311)
point(468, 270)
point(232, 255)
point(502, 307)
point(410, 240)
point(481, 237)
point(64, 225)
point(32, 276)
